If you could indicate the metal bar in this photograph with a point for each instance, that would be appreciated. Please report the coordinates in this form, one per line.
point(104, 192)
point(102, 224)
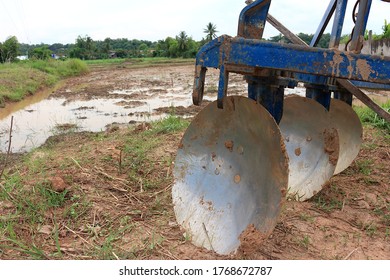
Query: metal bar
point(324, 23)
point(365, 99)
point(280, 27)
point(360, 26)
point(338, 23)
point(222, 85)
point(323, 62)
point(367, 85)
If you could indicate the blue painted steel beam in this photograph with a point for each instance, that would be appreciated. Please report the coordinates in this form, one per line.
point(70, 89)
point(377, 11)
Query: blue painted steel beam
point(338, 23)
point(252, 20)
point(245, 56)
point(324, 23)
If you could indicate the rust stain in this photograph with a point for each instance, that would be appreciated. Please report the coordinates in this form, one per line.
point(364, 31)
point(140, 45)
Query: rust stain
point(298, 152)
point(237, 179)
point(331, 141)
point(213, 155)
point(229, 145)
point(254, 31)
point(363, 68)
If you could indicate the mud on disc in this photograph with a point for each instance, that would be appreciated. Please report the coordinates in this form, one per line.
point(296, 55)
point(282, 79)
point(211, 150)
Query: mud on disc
point(231, 173)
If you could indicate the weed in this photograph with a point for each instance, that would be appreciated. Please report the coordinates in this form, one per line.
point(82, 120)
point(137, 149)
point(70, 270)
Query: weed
point(65, 128)
point(56, 239)
point(305, 217)
point(77, 208)
point(12, 182)
point(29, 249)
point(105, 251)
point(51, 198)
point(384, 213)
point(170, 124)
point(371, 230)
point(305, 242)
point(364, 166)
point(367, 116)
point(330, 198)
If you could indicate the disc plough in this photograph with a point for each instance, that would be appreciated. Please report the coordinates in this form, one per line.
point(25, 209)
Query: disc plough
point(241, 157)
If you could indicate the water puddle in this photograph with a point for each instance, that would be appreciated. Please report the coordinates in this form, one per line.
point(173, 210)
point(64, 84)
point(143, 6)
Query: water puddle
point(35, 119)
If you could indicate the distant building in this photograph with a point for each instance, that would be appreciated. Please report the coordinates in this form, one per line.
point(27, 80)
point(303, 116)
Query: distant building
point(22, 57)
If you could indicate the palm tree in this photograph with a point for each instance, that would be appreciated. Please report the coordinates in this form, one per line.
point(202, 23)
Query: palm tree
point(107, 45)
point(182, 40)
point(210, 30)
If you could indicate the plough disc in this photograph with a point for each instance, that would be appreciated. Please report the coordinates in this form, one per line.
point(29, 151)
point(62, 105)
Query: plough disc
point(231, 174)
point(350, 131)
point(312, 146)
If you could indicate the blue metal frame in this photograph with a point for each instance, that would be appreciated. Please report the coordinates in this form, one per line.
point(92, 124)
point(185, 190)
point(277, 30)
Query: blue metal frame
point(270, 67)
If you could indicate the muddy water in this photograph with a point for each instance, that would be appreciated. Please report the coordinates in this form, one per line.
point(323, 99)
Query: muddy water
point(37, 118)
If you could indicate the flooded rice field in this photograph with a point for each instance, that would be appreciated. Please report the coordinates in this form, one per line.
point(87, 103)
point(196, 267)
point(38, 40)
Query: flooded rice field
point(96, 100)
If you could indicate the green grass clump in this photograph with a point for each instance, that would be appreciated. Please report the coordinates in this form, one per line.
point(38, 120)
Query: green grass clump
point(368, 116)
point(60, 69)
point(18, 80)
point(170, 124)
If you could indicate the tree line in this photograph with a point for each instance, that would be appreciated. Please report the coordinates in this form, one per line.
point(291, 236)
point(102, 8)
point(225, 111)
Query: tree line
point(182, 45)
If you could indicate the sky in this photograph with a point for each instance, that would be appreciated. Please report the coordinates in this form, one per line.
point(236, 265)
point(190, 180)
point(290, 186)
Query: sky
point(44, 21)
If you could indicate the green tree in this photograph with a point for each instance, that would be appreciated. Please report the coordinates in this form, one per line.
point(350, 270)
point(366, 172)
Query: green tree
point(143, 48)
point(386, 30)
point(9, 50)
point(173, 49)
point(306, 37)
point(84, 48)
point(211, 31)
point(40, 53)
point(277, 38)
point(193, 48)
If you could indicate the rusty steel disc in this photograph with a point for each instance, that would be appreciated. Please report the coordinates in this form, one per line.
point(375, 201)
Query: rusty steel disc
point(231, 173)
point(350, 131)
point(312, 146)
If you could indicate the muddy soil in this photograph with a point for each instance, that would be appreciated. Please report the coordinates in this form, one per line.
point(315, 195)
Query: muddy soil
point(348, 219)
